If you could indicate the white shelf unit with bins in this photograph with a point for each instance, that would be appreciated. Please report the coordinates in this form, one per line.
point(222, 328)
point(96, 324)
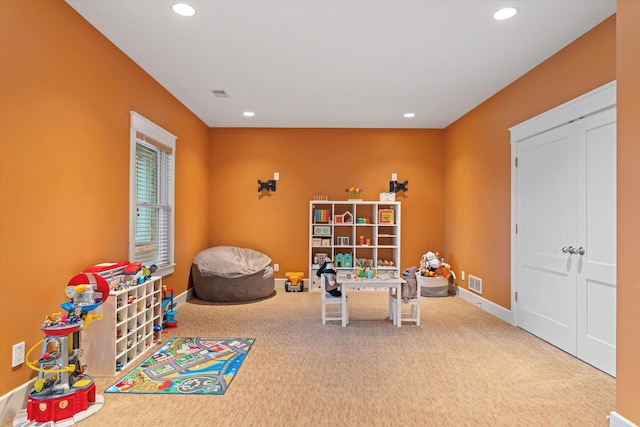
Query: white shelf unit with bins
point(126, 330)
point(357, 231)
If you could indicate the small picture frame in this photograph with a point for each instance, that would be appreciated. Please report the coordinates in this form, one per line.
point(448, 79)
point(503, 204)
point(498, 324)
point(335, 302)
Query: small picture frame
point(343, 241)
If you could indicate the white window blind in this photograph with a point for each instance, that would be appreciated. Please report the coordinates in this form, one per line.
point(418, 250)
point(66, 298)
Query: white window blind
point(152, 198)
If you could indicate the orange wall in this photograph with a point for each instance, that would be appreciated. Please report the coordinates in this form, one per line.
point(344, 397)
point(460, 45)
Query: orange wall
point(65, 97)
point(65, 94)
point(478, 156)
point(320, 162)
point(628, 339)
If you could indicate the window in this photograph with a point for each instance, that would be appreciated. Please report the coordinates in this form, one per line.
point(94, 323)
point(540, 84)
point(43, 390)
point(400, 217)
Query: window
point(151, 231)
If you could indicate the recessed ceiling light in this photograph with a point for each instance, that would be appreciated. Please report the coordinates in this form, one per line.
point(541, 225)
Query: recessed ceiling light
point(183, 9)
point(409, 115)
point(505, 13)
point(249, 114)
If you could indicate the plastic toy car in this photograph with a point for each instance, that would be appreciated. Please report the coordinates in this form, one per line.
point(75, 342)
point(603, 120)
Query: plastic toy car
point(294, 282)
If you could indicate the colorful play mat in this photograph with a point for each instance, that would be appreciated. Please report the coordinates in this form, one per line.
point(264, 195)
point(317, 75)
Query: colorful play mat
point(187, 366)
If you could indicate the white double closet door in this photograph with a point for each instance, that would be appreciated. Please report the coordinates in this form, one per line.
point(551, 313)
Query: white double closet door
point(566, 237)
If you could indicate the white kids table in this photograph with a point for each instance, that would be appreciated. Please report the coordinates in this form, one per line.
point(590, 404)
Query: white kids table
point(372, 283)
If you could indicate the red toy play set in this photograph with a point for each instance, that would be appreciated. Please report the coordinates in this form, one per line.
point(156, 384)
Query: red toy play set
point(63, 393)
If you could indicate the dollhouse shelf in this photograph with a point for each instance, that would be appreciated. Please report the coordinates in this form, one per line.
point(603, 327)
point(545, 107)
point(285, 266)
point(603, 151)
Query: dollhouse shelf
point(126, 330)
point(335, 231)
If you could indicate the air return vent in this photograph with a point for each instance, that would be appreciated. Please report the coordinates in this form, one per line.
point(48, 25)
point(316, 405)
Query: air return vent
point(475, 284)
point(219, 93)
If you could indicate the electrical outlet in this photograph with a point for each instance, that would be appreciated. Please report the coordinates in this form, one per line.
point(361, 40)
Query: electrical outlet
point(276, 267)
point(462, 275)
point(276, 176)
point(17, 355)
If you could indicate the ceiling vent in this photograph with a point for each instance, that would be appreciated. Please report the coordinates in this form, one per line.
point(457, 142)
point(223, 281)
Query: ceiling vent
point(219, 93)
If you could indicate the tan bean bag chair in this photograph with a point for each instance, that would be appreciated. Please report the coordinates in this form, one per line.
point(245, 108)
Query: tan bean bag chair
point(231, 274)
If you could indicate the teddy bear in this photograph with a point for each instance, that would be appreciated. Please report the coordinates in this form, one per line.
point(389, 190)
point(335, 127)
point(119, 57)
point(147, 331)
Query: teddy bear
point(328, 270)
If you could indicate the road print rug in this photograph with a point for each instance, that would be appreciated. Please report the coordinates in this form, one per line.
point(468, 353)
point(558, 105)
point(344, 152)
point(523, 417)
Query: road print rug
point(187, 366)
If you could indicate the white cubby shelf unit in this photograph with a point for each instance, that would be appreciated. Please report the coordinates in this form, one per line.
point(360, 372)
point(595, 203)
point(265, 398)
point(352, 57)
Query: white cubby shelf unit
point(353, 232)
point(126, 330)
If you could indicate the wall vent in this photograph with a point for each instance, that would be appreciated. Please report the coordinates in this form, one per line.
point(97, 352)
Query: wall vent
point(475, 284)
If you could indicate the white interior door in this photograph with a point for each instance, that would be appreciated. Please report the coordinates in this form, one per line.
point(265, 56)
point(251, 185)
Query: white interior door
point(566, 239)
point(546, 217)
point(596, 268)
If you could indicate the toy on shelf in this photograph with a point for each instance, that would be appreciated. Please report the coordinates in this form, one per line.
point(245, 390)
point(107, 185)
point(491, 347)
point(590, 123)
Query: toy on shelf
point(354, 194)
point(385, 263)
point(62, 390)
point(294, 282)
point(322, 216)
point(343, 241)
point(385, 216)
point(168, 307)
point(345, 218)
point(348, 260)
point(123, 274)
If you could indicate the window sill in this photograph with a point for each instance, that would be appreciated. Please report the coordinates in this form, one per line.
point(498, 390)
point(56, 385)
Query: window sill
point(164, 270)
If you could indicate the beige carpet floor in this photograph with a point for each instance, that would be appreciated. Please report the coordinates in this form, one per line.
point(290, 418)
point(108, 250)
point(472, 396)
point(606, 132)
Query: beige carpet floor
point(461, 367)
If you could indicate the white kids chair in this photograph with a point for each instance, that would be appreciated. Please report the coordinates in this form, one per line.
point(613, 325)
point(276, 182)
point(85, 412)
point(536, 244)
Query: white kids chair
point(328, 299)
point(412, 315)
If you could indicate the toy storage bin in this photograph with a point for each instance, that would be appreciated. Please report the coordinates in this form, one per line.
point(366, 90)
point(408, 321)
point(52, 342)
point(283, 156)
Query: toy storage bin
point(433, 286)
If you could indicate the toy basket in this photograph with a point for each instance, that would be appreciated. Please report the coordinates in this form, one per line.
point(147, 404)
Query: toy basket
point(433, 286)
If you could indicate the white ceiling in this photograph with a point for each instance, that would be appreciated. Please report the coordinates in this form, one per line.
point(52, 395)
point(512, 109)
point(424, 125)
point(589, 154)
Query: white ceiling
point(339, 63)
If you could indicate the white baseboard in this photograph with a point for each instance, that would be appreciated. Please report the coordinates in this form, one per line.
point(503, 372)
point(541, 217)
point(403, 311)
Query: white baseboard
point(486, 305)
point(280, 283)
point(617, 420)
point(183, 297)
point(14, 402)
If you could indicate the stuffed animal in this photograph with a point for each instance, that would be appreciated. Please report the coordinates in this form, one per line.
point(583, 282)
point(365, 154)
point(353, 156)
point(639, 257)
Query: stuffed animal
point(433, 260)
point(429, 263)
point(331, 281)
point(409, 289)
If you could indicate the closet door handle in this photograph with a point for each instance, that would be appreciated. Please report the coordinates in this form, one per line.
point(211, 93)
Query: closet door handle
point(568, 250)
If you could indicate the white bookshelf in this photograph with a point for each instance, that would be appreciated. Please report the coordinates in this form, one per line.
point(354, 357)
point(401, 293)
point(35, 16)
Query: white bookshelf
point(334, 233)
point(126, 330)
